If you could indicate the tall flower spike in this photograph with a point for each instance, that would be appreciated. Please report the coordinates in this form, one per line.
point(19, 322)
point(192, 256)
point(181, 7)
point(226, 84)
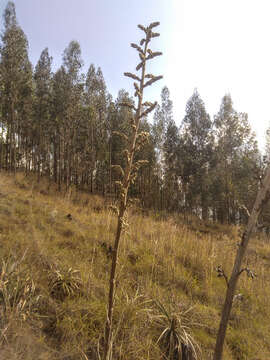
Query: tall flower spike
point(130, 171)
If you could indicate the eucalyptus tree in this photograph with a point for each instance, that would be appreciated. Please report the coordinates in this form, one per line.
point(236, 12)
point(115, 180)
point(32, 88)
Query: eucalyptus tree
point(267, 144)
point(195, 152)
point(42, 112)
point(67, 90)
point(237, 157)
point(171, 167)
point(143, 187)
point(163, 116)
point(16, 82)
point(111, 122)
point(2, 120)
point(102, 133)
point(72, 62)
point(120, 125)
point(96, 103)
point(58, 110)
point(24, 130)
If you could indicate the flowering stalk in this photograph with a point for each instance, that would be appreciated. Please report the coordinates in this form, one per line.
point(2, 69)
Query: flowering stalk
point(129, 173)
point(263, 196)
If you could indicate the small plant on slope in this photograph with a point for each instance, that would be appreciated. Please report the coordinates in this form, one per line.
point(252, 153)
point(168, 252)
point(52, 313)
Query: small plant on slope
point(175, 338)
point(129, 173)
point(65, 283)
point(18, 295)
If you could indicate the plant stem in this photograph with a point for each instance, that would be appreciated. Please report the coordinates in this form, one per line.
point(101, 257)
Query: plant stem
point(262, 197)
point(122, 209)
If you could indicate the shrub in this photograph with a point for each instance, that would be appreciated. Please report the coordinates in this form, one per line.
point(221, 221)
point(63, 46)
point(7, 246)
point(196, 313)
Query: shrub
point(65, 283)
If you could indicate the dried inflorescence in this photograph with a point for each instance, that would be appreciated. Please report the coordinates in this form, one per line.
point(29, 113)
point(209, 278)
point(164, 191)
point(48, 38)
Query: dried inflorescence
point(250, 273)
point(134, 142)
point(221, 273)
point(137, 140)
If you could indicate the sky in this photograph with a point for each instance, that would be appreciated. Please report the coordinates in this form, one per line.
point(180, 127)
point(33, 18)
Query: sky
point(216, 46)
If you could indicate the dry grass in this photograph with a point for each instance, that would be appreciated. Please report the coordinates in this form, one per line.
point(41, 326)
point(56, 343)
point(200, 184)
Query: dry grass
point(171, 261)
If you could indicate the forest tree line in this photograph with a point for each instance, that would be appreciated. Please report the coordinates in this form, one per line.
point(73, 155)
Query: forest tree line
point(65, 125)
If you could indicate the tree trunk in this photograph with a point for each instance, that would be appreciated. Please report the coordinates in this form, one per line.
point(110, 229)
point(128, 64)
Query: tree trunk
point(59, 165)
point(262, 197)
point(55, 161)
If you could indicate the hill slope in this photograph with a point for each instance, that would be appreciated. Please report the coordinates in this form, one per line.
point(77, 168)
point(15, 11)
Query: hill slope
point(55, 261)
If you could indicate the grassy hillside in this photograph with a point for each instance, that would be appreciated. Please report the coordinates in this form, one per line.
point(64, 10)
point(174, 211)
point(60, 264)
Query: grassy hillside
point(55, 262)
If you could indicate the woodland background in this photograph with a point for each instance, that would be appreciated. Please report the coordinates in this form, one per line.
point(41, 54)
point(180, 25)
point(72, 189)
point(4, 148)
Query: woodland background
point(64, 126)
point(60, 136)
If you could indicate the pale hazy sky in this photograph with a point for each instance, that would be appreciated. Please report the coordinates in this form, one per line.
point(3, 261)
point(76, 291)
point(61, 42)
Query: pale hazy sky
point(216, 46)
